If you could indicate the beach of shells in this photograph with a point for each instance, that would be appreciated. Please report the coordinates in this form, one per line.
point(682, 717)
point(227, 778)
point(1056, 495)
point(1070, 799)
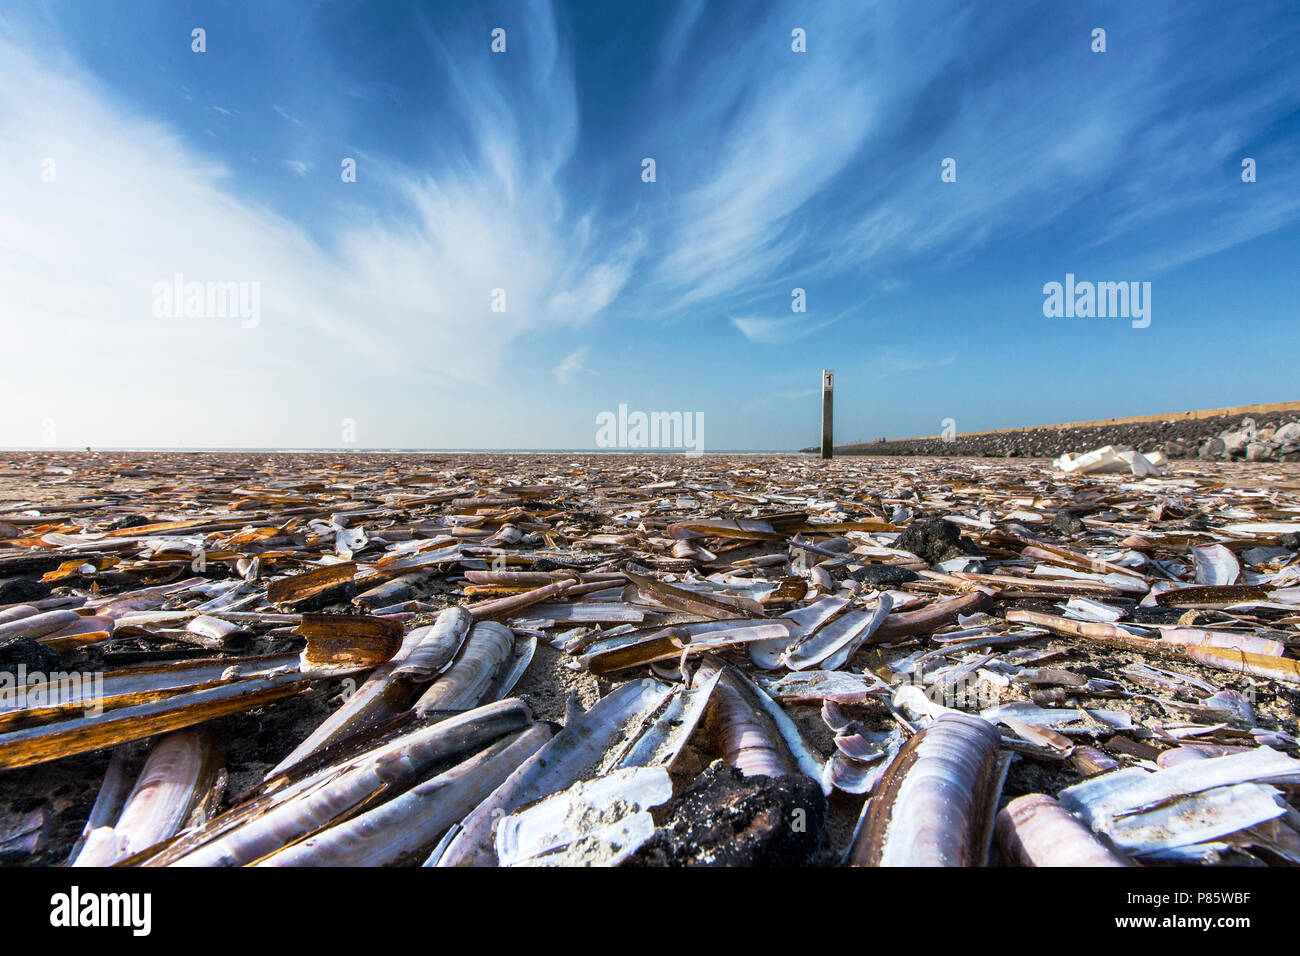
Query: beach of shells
point(315, 658)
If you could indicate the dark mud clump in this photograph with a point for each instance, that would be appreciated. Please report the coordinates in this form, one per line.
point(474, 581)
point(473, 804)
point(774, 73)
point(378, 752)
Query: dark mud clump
point(1157, 615)
point(27, 653)
point(18, 590)
point(936, 540)
point(726, 819)
point(1066, 524)
point(882, 574)
point(65, 790)
point(257, 740)
point(127, 521)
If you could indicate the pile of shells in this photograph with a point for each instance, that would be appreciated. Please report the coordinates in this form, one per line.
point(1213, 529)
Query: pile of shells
point(553, 660)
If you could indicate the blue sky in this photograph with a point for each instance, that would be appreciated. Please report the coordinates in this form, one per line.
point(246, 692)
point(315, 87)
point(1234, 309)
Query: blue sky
point(522, 171)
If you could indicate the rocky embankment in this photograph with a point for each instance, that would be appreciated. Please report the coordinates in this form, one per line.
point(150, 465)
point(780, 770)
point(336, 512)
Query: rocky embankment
point(1273, 437)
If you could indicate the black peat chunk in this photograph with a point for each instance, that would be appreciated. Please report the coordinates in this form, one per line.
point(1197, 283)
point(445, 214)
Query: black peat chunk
point(936, 540)
point(882, 574)
point(20, 590)
point(727, 819)
point(27, 652)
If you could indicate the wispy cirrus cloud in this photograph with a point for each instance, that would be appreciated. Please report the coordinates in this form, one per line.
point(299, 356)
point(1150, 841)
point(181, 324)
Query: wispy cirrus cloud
point(899, 363)
point(376, 295)
point(827, 163)
point(742, 100)
point(281, 111)
point(573, 364)
point(499, 205)
point(763, 331)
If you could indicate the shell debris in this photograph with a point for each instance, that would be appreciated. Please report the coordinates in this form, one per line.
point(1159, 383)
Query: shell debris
point(304, 659)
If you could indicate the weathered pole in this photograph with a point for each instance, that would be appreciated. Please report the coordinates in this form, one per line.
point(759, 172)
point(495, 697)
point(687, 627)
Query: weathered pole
point(828, 409)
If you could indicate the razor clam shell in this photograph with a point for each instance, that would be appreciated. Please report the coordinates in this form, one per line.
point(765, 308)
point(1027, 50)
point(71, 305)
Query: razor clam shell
point(1053, 717)
point(1090, 761)
point(934, 805)
point(820, 644)
point(1083, 609)
point(487, 650)
point(591, 612)
point(747, 741)
point(859, 777)
point(1035, 830)
point(379, 698)
point(592, 645)
point(805, 620)
point(31, 745)
point(850, 776)
point(842, 652)
point(1285, 669)
point(213, 628)
point(184, 770)
point(758, 726)
point(604, 846)
point(1233, 703)
point(583, 812)
point(1207, 637)
point(395, 591)
point(16, 613)
point(833, 715)
point(1203, 816)
point(390, 769)
point(560, 763)
point(341, 644)
point(733, 632)
point(841, 687)
point(153, 682)
point(514, 668)
point(39, 625)
point(1188, 803)
point(625, 651)
point(437, 646)
point(694, 600)
point(111, 795)
point(931, 616)
point(403, 829)
point(294, 782)
point(864, 747)
point(662, 742)
point(500, 607)
point(913, 702)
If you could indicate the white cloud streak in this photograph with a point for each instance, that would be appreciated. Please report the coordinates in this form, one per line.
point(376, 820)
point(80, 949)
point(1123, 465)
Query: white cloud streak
point(827, 163)
point(375, 303)
point(778, 331)
point(775, 168)
point(573, 364)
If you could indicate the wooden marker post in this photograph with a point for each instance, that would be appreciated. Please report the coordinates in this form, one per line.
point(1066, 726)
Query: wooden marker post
point(828, 408)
